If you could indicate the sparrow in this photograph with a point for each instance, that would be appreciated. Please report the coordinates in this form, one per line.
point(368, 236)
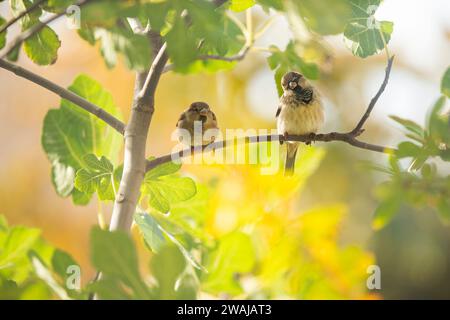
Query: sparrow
point(300, 112)
point(197, 119)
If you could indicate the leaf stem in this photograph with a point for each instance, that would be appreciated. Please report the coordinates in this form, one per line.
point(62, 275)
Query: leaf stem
point(100, 215)
point(249, 25)
point(238, 22)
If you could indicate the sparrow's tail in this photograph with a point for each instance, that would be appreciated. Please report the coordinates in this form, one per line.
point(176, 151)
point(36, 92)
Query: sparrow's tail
point(290, 158)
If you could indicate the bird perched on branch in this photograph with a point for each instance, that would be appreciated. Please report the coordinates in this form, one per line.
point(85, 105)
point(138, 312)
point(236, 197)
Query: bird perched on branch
point(300, 112)
point(198, 124)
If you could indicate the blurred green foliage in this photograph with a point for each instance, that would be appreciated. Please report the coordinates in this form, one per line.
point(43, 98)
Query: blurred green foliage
point(420, 184)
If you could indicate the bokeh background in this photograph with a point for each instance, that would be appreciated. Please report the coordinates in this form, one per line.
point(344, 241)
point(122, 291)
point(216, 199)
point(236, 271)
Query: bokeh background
point(413, 251)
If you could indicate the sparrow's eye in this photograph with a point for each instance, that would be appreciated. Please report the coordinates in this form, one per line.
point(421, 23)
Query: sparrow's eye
point(293, 84)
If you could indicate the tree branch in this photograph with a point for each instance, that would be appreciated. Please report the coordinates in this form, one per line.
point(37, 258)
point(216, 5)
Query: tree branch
point(136, 138)
point(374, 100)
point(328, 137)
point(33, 30)
point(21, 15)
point(65, 94)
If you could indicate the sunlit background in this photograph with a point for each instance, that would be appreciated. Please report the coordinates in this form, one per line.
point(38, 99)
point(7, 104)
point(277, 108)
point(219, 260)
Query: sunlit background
point(412, 252)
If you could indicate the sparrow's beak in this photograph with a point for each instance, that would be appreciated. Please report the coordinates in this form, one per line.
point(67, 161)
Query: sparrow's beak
point(293, 85)
point(203, 112)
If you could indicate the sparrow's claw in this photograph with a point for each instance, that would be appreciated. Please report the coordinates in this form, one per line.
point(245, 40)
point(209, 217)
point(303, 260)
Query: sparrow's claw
point(310, 138)
point(285, 137)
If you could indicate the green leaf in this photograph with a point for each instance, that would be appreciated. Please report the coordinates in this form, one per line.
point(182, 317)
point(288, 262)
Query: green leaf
point(109, 288)
point(366, 35)
point(164, 188)
point(410, 125)
point(274, 4)
point(114, 254)
point(436, 124)
point(150, 230)
point(190, 214)
point(365, 41)
point(445, 83)
point(62, 178)
point(61, 260)
point(444, 209)
point(235, 255)
point(97, 176)
point(19, 6)
point(44, 273)
point(157, 230)
point(69, 133)
point(3, 224)
point(386, 211)
point(80, 198)
point(134, 47)
point(42, 48)
point(167, 266)
point(325, 17)
point(155, 13)
point(3, 34)
point(187, 287)
point(207, 31)
point(17, 243)
point(105, 21)
point(181, 45)
point(104, 13)
point(13, 56)
point(163, 169)
point(164, 191)
point(408, 149)
point(288, 60)
point(189, 257)
point(241, 5)
point(56, 6)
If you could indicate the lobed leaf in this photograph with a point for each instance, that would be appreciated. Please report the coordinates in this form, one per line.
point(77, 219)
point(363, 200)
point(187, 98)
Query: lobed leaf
point(70, 133)
point(366, 35)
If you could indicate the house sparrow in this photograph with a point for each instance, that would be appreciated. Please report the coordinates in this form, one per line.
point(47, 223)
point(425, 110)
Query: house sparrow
point(197, 120)
point(300, 112)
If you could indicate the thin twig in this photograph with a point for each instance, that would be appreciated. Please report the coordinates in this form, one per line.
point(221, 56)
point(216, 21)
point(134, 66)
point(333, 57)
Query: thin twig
point(65, 94)
point(374, 100)
point(33, 30)
point(21, 15)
